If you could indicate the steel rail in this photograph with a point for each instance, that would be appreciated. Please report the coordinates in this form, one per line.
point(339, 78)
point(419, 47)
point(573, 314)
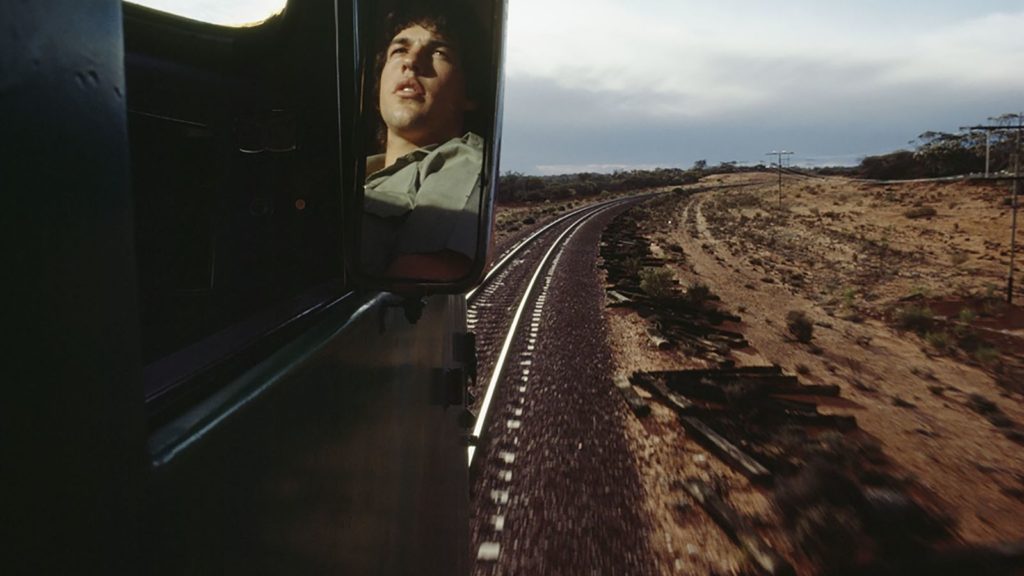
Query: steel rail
point(536, 234)
point(499, 364)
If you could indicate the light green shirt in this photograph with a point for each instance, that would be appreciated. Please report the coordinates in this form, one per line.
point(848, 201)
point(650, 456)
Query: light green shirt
point(427, 201)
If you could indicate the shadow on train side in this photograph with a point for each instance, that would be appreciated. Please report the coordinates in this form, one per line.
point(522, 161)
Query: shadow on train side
point(202, 378)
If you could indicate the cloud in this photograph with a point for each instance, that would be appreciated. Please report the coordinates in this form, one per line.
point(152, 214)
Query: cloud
point(683, 60)
point(982, 52)
point(549, 125)
point(662, 82)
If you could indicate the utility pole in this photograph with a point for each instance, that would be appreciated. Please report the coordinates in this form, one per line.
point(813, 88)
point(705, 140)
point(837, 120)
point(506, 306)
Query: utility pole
point(1013, 226)
point(1016, 185)
point(988, 149)
point(988, 140)
point(780, 154)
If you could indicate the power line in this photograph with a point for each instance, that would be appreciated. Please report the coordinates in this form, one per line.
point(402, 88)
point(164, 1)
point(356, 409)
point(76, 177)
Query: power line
point(1016, 183)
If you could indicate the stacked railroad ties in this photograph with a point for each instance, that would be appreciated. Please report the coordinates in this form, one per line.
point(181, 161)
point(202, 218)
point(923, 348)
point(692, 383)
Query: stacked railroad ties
point(818, 468)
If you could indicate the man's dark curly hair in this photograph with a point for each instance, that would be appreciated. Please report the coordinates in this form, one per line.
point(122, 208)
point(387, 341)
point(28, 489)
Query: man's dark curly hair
point(456, 23)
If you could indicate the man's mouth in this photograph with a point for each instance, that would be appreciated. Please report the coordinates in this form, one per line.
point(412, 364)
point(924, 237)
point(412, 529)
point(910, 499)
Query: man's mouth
point(409, 88)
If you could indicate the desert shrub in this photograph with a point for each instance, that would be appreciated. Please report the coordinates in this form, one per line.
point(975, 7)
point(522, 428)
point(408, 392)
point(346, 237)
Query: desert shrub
point(799, 325)
point(991, 303)
point(967, 316)
point(698, 293)
point(958, 257)
point(987, 356)
point(981, 404)
point(1000, 420)
point(939, 340)
point(824, 532)
point(817, 506)
point(920, 212)
point(915, 317)
point(529, 220)
point(848, 297)
point(919, 291)
point(739, 200)
point(632, 265)
point(657, 282)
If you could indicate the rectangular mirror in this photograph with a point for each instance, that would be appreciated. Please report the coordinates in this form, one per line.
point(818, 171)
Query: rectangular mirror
point(431, 116)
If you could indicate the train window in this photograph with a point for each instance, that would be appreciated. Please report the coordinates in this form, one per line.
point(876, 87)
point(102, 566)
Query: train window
point(240, 13)
point(234, 143)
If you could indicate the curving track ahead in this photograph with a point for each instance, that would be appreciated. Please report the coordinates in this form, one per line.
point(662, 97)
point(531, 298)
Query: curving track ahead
point(555, 489)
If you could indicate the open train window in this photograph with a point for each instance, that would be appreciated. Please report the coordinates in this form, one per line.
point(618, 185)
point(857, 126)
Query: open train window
point(234, 143)
point(241, 13)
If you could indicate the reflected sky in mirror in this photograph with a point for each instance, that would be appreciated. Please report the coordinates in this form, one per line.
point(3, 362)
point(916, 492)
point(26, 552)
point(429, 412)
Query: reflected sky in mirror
point(236, 13)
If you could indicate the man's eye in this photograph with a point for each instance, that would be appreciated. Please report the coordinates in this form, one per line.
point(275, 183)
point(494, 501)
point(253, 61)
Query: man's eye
point(397, 50)
point(442, 53)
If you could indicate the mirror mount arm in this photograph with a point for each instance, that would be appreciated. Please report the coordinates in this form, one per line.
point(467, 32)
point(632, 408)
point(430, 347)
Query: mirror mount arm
point(411, 304)
point(413, 307)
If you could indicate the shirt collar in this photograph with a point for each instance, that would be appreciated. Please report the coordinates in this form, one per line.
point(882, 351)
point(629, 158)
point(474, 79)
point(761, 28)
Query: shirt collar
point(375, 163)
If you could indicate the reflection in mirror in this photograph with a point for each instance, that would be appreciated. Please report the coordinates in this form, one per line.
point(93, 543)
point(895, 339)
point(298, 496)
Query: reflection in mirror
point(241, 13)
point(423, 194)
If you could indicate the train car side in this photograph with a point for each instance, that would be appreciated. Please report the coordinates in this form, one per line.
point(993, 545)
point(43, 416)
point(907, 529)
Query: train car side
point(194, 385)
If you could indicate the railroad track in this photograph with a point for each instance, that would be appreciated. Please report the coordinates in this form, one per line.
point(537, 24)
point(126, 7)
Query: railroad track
point(508, 287)
point(505, 312)
point(553, 492)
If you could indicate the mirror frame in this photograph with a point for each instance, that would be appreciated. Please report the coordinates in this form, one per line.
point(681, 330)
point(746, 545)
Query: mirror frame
point(354, 162)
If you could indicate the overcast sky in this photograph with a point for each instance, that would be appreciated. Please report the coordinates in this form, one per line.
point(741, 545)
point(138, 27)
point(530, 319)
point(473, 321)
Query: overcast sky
point(599, 85)
point(605, 84)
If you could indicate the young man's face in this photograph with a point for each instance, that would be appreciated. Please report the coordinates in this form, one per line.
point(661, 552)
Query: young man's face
point(422, 88)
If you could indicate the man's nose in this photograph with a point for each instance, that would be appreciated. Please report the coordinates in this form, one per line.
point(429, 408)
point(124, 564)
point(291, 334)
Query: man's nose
point(415, 60)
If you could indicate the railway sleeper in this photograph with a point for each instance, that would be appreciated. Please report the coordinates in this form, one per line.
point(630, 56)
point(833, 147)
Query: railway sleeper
point(737, 528)
point(726, 450)
point(637, 404)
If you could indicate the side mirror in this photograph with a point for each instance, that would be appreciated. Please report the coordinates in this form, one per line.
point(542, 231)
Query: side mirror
point(431, 117)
